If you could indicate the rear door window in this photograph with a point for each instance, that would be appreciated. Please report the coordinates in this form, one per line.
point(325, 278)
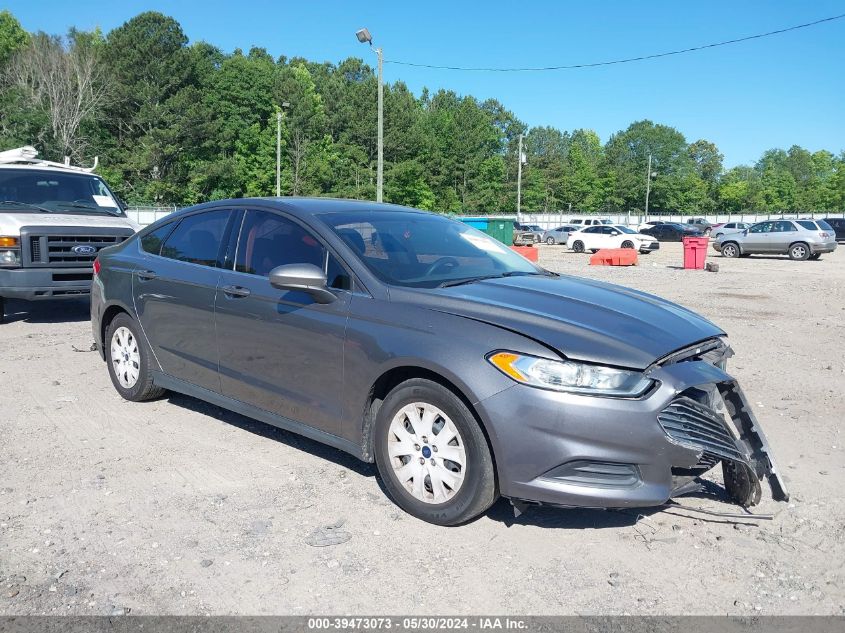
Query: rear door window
point(198, 239)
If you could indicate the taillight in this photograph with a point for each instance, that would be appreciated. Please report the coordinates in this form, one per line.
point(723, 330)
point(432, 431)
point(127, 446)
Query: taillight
point(96, 266)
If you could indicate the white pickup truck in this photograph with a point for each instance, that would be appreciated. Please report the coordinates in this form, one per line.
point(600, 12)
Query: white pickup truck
point(54, 219)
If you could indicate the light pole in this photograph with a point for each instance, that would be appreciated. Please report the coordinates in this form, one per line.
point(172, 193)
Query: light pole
point(365, 38)
point(519, 177)
point(285, 104)
point(649, 175)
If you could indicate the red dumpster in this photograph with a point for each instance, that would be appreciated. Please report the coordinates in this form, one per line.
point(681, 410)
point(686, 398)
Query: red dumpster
point(695, 252)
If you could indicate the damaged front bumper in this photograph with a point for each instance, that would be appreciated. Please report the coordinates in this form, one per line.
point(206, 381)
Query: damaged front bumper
point(573, 450)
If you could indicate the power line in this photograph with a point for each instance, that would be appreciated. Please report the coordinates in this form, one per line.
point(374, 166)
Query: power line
point(620, 61)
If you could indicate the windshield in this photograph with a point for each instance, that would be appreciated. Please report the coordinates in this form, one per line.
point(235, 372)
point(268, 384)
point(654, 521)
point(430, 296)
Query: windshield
point(424, 250)
point(39, 191)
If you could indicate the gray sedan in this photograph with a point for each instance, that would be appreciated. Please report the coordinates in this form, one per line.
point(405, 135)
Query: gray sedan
point(464, 371)
point(560, 234)
point(800, 239)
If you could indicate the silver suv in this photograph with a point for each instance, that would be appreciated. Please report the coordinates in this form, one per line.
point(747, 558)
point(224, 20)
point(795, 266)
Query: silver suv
point(800, 239)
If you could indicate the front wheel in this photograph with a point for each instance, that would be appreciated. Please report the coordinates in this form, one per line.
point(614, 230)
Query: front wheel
point(627, 244)
point(128, 359)
point(799, 251)
point(432, 455)
point(550, 241)
point(730, 250)
point(578, 246)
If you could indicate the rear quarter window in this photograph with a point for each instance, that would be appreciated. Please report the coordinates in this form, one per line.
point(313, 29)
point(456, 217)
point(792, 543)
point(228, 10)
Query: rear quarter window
point(824, 225)
point(810, 226)
point(153, 240)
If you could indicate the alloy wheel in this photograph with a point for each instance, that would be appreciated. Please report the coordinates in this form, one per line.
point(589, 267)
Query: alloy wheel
point(426, 452)
point(125, 357)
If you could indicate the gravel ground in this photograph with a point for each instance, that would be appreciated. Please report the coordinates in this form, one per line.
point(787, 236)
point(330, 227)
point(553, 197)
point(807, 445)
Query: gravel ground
point(178, 507)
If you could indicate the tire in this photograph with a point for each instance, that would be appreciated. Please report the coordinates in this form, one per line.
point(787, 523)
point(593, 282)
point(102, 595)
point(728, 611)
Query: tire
point(706, 232)
point(131, 376)
point(466, 489)
point(718, 235)
point(536, 239)
point(730, 249)
point(578, 246)
point(627, 244)
point(550, 241)
point(799, 251)
point(815, 256)
point(2, 309)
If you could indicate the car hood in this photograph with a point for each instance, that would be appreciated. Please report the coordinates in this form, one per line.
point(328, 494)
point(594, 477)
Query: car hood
point(11, 222)
point(579, 318)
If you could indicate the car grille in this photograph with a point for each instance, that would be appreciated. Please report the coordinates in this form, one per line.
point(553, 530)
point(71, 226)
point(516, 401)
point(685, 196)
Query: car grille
point(692, 424)
point(53, 247)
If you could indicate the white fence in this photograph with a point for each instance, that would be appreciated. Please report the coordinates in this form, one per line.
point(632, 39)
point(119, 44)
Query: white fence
point(552, 220)
point(148, 215)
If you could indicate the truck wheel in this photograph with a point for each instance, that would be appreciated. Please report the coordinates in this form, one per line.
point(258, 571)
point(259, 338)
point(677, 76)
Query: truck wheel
point(432, 455)
point(578, 246)
point(128, 360)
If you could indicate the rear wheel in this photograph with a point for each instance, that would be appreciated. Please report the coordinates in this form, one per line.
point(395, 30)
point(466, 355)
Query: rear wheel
point(706, 232)
point(578, 246)
point(128, 359)
point(730, 249)
point(432, 454)
point(799, 251)
point(550, 241)
point(627, 244)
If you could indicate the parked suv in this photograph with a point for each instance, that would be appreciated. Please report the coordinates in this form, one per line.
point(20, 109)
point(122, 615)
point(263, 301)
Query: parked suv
point(416, 342)
point(800, 239)
point(838, 226)
point(54, 219)
point(701, 224)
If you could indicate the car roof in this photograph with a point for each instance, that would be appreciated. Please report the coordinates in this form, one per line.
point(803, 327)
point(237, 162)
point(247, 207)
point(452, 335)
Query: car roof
point(310, 206)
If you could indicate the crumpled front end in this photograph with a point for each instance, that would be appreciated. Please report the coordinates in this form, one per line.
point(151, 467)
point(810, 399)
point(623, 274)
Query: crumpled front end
point(576, 450)
point(717, 419)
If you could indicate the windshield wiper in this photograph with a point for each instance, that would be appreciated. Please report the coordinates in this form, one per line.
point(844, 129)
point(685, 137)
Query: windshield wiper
point(26, 205)
point(89, 207)
point(510, 273)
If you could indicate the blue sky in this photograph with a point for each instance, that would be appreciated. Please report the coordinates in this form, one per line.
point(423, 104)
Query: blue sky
point(749, 97)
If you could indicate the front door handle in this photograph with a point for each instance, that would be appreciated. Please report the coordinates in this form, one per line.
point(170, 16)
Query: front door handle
point(235, 291)
point(146, 275)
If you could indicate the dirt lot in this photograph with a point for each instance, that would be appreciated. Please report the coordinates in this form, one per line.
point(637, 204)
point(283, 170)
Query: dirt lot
point(178, 507)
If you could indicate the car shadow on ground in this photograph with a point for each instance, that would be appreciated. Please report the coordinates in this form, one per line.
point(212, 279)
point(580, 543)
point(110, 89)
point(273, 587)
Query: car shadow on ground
point(56, 311)
point(502, 511)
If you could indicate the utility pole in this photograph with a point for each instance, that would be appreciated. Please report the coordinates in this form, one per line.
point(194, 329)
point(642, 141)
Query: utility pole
point(380, 167)
point(519, 179)
point(285, 104)
point(648, 177)
point(364, 37)
point(278, 153)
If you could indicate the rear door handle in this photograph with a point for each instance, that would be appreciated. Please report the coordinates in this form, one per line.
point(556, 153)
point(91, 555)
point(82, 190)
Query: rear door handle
point(146, 275)
point(235, 291)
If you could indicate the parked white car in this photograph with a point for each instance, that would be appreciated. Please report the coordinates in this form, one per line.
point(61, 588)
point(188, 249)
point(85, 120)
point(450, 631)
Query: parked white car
point(729, 227)
point(579, 222)
point(594, 238)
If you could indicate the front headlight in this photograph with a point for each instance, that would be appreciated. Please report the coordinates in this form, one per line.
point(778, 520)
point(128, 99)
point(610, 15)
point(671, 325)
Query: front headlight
point(570, 376)
point(10, 258)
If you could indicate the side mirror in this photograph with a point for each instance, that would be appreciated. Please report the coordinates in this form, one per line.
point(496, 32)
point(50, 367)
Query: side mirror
point(303, 277)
